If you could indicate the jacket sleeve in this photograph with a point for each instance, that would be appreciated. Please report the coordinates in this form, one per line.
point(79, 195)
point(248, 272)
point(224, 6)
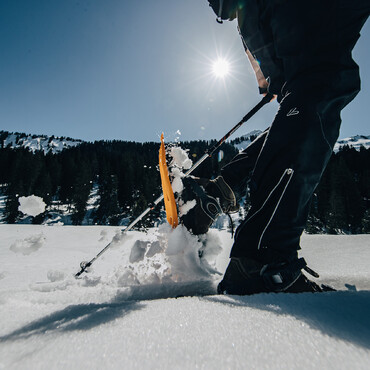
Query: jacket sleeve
point(255, 30)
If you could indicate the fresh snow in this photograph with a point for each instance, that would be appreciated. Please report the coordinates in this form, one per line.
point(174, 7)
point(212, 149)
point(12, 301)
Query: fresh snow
point(31, 205)
point(184, 208)
point(124, 314)
point(180, 157)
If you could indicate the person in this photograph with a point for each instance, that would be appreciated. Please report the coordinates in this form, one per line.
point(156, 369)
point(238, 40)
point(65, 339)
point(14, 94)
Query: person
point(301, 53)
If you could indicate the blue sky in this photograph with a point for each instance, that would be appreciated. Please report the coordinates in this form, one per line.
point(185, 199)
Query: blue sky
point(131, 69)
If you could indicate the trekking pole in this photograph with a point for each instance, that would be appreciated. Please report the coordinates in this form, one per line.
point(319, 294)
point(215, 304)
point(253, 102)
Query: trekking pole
point(266, 99)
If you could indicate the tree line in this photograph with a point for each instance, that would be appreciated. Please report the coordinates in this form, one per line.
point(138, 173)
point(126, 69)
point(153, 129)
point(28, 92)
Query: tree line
point(126, 178)
point(125, 175)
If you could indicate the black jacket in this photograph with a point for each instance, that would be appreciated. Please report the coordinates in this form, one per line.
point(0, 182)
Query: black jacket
point(304, 40)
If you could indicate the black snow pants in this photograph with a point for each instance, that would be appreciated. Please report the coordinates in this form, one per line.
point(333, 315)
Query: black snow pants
point(287, 161)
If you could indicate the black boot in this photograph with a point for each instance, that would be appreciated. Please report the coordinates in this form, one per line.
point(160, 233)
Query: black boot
point(219, 189)
point(242, 277)
point(212, 198)
point(245, 276)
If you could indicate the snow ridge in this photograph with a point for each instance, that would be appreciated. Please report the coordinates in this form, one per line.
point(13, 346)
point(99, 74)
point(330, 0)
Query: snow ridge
point(53, 144)
point(242, 142)
point(355, 142)
point(44, 143)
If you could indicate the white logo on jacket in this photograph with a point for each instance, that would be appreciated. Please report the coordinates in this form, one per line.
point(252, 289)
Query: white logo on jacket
point(293, 112)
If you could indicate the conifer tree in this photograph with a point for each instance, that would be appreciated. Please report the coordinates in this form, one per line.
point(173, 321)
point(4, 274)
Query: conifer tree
point(108, 211)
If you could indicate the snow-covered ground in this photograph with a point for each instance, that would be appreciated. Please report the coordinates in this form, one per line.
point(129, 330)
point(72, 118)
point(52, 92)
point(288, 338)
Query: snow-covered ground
point(124, 314)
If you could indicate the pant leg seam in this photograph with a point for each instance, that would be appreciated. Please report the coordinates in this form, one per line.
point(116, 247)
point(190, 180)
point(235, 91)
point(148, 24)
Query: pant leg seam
point(322, 131)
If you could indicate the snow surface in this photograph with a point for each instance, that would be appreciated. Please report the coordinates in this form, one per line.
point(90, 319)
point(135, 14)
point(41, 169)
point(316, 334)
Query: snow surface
point(122, 315)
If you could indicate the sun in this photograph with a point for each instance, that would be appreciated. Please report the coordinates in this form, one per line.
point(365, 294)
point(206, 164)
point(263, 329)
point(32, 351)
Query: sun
point(221, 68)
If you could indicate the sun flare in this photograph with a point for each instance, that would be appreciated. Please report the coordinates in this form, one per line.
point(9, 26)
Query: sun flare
point(221, 68)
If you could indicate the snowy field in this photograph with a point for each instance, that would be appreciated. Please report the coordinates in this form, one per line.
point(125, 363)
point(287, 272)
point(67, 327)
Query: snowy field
point(149, 303)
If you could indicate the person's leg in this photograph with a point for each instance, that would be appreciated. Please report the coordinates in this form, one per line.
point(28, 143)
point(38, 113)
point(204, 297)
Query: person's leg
point(289, 166)
point(305, 129)
point(238, 171)
point(288, 169)
point(323, 80)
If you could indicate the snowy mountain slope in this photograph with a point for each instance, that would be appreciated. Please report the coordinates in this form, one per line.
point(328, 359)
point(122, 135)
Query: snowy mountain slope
point(56, 144)
point(243, 141)
point(118, 316)
point(356, 141)
point(47, 144)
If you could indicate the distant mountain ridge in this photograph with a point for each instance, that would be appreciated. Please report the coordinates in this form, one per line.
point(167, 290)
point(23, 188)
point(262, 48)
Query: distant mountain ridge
point(242, 142)
point(355, 142)
point(44, 143)
point(54, 144)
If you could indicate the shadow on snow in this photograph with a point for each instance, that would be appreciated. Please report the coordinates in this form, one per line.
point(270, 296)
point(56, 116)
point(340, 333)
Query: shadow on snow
point(88, 316)
point(342, 314)
point(74, 317)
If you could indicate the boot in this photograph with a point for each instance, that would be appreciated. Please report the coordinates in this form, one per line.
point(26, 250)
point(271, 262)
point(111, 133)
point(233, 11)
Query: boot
point(246, 276)
point(212, 198)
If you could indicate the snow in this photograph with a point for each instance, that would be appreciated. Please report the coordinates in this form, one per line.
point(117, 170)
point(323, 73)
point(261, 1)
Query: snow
point(245, 140)
point(355, 142)
point(184, 208)
point(179, 161)
point(122, 315)
point(44, 143)
point(31, 205)
point(177, 184)
point(180, 157)
point(28, 245)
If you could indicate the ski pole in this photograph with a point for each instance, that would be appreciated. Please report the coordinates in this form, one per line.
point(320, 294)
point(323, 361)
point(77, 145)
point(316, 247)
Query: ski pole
point(266, 99)
point(84, 265)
